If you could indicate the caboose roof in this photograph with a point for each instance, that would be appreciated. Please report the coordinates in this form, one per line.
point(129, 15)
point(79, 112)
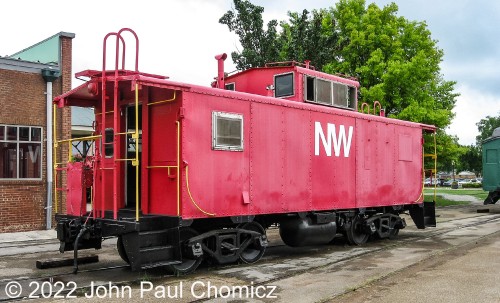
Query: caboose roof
point(80, 96)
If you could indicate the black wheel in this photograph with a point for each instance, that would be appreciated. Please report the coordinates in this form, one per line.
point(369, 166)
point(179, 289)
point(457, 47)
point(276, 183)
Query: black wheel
point(254, 249)
point(393, 233)
point(354, 231)
point(386, 229)
point(121, 250)
point(188, 264)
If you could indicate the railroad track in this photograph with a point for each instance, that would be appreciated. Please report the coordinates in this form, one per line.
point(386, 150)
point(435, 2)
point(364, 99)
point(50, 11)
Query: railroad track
point(277, 253)
point(386, 246)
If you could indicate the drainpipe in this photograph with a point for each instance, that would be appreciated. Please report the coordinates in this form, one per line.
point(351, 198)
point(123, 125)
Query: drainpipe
point(220, 70)
point(49, 75)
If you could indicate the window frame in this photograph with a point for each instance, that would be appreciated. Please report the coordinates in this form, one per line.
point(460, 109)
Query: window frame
point(350, 101)
point(293, 84)
point(232, 116)
point(229, 84)
point(17, 141)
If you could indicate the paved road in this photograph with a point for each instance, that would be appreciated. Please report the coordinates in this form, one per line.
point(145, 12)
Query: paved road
point(467, 273)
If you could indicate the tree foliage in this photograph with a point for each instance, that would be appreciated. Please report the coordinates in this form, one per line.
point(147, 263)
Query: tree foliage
point(259, 46)
point(471, 160)
point(395, 60)
point(486, 126)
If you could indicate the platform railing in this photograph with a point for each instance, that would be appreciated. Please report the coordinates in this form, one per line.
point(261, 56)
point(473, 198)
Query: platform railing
point(61, 166)
point(433, 171)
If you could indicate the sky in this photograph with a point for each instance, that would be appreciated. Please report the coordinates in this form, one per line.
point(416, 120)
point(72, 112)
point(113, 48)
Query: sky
point(179, 38)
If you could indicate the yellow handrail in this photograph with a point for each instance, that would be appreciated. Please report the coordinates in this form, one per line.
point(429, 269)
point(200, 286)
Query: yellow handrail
point(168, 167)
point(109, 112)
point(178, 124)
point(190, 196)
point(125, 133)
point(164, 101)
point(433, 156)
point(88, 138)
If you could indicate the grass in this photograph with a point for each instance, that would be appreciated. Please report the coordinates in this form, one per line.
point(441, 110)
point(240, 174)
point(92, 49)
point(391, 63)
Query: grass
point(440, 201)
point(478, 193)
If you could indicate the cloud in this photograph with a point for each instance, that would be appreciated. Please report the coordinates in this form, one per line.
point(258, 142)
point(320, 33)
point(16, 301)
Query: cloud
point(472, 106)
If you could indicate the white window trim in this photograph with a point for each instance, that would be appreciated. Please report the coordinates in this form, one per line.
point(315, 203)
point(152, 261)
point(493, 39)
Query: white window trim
point(17, 148)
point(215, 144)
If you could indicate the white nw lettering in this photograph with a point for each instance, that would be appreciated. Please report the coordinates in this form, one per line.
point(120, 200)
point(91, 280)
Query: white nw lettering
point(338, 140)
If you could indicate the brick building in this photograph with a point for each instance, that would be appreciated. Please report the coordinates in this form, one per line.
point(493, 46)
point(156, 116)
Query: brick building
point(29, 79)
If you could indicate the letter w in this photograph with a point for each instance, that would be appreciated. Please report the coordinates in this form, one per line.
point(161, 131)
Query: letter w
point(338, 141)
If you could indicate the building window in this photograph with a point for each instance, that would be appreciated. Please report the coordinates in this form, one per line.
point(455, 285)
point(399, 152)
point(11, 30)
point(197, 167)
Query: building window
point(227, 131)
point(20, 152)
point(283, 85)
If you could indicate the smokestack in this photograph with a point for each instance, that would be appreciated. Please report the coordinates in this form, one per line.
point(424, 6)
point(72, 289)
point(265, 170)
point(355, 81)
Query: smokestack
point(220, 69)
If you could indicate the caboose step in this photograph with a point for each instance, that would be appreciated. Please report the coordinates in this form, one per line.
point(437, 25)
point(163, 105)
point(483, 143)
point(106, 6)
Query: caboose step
point(153, 238)
point(156, 254)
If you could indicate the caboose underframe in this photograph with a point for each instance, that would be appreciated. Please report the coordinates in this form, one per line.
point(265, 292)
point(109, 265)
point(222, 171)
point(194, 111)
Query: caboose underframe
point(182, 173)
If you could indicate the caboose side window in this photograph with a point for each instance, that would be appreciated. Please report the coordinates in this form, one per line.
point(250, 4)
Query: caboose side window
point(108, 142)
point(20, 152)
point(323, 91)
point(283, 85)
point(227, 131)
point(340, 97)
point(330, 93)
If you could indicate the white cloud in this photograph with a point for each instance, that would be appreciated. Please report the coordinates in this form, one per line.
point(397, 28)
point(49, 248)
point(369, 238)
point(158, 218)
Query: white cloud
point(472, 105)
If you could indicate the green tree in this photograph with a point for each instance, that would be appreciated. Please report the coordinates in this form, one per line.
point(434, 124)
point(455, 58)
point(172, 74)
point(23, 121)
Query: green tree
point(395, 60)
point(309, 36)
point(470, 159)
point(486, 127)
point(447, 149)
point(259, 46)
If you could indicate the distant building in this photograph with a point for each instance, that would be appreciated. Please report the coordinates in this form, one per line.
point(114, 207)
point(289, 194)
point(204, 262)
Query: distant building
point(82, 119)
point(29, 79)
point(466, 175)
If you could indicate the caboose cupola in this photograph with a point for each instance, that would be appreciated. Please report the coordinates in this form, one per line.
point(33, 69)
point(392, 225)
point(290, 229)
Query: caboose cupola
point(294, 81)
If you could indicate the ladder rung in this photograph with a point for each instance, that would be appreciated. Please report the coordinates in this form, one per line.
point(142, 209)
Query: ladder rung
point(430, 155)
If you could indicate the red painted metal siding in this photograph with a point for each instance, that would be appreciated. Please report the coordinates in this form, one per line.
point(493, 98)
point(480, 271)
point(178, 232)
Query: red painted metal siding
point(217, 178)
point(296, 156)
point(334, 182)
point(371, 161)
point(389, 164)
point(160, 189)
point(76, 203)
point(255, 81)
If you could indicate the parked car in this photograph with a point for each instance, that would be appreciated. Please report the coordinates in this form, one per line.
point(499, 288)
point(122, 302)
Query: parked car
point(448, 183)
point(463, 181)
point(430, 182)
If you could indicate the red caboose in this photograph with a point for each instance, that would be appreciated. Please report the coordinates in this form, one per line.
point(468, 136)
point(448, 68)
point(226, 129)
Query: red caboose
point(183, 172)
